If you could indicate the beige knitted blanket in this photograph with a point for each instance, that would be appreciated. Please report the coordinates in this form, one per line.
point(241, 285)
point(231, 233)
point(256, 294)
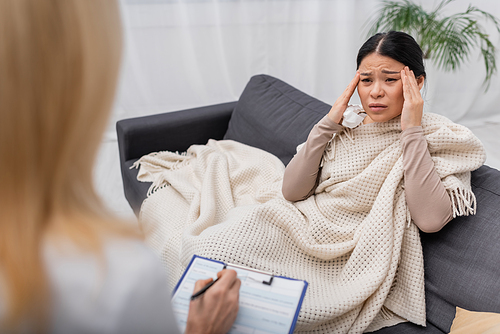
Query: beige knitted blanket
point(353, 241)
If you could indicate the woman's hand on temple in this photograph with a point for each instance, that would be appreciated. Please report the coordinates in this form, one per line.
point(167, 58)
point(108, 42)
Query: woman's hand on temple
point(413, 105)
point(338, 108)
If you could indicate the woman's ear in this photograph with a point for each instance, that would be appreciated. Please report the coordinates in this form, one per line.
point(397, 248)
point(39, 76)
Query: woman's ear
point(420, 81)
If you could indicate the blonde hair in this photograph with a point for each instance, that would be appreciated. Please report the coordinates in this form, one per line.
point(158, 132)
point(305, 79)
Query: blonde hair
point(59, 61)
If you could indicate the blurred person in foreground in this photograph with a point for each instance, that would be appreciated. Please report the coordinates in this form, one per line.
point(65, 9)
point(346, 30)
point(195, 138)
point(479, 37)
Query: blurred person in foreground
point(67, 266)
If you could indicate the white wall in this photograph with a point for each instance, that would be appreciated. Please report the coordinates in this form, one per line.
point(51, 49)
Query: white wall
point(188, 53)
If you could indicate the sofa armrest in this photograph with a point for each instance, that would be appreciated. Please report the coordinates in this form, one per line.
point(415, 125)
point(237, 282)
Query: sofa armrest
point(173, 131)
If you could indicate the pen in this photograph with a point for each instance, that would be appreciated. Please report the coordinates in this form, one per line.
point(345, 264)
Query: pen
point(202, 290)
point(205, 288)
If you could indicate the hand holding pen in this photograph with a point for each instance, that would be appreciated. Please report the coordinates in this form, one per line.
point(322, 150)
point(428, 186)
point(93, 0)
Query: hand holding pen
point(215, 309)
point(201, 291)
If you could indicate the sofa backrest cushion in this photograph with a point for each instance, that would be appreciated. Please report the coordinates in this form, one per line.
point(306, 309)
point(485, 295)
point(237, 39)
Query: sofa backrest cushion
point(274, 116)
point(462, 261)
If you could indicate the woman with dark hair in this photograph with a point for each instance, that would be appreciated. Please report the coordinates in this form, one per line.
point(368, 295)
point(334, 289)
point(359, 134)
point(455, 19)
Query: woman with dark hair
point(390, 74)
point(396, 45)
point(355, 196)
point(383, 169)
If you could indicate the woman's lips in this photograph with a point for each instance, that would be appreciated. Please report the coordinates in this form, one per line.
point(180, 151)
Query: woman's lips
point(377, 107)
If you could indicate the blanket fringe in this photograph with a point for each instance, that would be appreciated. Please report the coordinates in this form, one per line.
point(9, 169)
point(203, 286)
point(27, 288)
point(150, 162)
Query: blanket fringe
point(330, 148)
point(463, 202)
point(157, 185)
point(408, 217)
point(386, 313)
point(166, 159)
point(349, 134)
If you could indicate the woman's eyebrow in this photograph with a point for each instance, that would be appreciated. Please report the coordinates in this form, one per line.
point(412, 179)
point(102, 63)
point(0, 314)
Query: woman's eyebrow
point(383, 71)
point(390, 72)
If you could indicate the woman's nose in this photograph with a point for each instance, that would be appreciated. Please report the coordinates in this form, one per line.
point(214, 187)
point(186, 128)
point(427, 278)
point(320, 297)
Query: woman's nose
point(377, 90)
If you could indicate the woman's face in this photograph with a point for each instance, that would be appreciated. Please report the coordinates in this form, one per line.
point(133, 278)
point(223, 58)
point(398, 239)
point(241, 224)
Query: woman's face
point(380, 87)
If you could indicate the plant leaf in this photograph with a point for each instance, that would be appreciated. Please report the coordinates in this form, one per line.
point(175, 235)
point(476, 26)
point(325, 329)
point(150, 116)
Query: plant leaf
point(448, 41)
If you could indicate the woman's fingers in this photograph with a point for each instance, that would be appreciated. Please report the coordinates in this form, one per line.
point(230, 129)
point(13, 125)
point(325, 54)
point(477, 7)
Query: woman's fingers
point(218, 307)
point(413, 102)
point(353, 84)
point(411, 84)
point(228, 278)
point(340, 105)
point(198, 285)
point(407, 89)
point(406, 84)
point(347, 93)
point(351, 88)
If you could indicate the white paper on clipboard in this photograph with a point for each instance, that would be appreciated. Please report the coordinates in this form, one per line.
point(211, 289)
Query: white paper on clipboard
point(268, 303)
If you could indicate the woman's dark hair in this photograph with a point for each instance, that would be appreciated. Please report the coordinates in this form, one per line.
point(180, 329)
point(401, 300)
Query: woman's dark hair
point(396, 45)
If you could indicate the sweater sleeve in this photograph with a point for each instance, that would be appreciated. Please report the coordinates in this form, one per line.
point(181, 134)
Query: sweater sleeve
point(428, 201)
point(302, 173)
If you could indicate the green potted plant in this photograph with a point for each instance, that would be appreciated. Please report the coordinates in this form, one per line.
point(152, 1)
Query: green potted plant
point(446, 40)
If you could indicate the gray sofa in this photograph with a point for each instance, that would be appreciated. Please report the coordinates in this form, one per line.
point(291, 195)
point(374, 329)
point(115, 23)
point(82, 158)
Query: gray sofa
point(462, 261)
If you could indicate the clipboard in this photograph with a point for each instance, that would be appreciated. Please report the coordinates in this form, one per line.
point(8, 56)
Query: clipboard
point(268, 303)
